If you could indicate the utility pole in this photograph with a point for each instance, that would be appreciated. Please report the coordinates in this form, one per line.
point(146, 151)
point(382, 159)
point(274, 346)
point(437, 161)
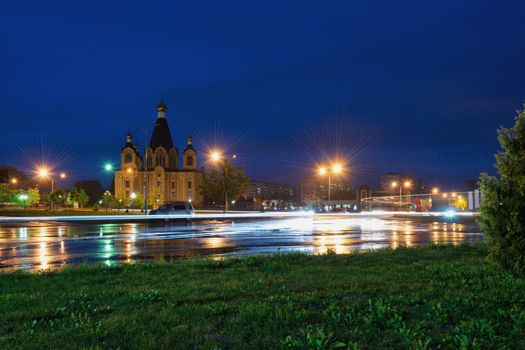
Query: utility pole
point(145, 172)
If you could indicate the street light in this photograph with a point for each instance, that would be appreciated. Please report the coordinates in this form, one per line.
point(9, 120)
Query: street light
point(14, 180)
point(216, 156)
point(108, 167)
point(24, 198)
point(45, 173)
point(435, 190)
point(336, 169)
point(406, 184)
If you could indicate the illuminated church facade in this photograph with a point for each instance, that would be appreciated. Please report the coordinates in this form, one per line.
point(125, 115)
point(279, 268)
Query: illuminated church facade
point(166, 178)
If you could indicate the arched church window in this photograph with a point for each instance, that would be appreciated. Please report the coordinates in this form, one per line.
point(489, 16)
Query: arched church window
point(189, 161)
point(128, 158)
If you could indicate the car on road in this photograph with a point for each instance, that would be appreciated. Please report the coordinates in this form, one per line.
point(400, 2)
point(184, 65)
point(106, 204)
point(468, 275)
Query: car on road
point(176, 208)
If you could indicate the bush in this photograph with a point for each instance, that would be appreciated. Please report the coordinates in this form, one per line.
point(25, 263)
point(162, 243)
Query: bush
point(503, 206)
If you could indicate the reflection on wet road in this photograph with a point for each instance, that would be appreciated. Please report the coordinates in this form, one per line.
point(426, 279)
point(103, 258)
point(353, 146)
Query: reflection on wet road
point(50, 245)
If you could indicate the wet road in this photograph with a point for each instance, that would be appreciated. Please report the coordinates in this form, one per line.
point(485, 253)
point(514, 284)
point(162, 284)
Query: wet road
point(34, 246)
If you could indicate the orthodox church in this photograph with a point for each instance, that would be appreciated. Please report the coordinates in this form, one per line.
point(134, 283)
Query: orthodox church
point(159, 168)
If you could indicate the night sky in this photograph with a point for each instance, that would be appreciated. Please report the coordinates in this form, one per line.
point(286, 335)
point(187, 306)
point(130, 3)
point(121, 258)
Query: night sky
point(413, 86)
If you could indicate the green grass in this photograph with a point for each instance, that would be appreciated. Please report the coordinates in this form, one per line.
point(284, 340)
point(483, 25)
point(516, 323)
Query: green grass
point(435, 297)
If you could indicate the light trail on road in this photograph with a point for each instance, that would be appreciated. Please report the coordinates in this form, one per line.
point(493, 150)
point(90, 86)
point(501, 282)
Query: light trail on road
point(52, 244)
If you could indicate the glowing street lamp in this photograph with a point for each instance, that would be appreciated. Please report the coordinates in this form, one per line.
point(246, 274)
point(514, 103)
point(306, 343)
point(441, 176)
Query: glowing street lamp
point(406, 184)
point(108, 167)
point(45, 173)
point(24, 198)
point(336, 169)
point(217, 156)
point(435, 190)
point(14, 181)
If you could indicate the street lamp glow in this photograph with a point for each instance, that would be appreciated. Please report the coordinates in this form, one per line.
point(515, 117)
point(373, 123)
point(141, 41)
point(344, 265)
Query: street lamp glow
point(23, 196)
point(322, 171)
point(108, 167)
point(133, 195)
point(62, 175)
point(337, 168)
point(215, 156)
point(394, 184)
point(14, 180)
point(445, 195)
point(407, 184)
point(435, 190)
point(43, 172)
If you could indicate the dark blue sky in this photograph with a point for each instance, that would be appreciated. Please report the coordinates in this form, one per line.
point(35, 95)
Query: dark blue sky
point(412, 86)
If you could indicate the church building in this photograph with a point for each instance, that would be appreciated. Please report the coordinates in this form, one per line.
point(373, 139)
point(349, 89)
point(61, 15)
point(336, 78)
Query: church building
point(167, 180)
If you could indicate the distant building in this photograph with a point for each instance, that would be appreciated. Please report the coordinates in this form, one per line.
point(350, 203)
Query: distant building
point(343, 196)
point(315, 189)
point(269, 190)
point(388, 179)
point(165, 178)
point(263, 195)
point(471, 184)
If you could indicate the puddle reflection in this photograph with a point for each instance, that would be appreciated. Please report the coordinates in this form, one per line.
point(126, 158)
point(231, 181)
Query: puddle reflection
point(51, 245)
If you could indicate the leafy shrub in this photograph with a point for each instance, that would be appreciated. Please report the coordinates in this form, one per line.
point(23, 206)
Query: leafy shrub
point(503, 205)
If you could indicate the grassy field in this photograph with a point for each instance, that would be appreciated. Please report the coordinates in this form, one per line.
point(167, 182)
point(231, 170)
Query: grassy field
point(435, 297)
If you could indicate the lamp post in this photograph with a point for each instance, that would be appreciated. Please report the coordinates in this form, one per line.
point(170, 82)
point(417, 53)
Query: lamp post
point(145, 171)
point(435, 191)
point(336, 169)
point(44, 173)
point(23, 197)
point(218, 158)
point(407, 184)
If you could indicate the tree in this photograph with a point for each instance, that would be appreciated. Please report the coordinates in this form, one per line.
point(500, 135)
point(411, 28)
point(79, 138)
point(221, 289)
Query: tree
point(223, 183)
point(7, 173)
point(503, 206)
point(58, 196)
point(34, 196)
point(137, 202)
point(108, 200)
point(92, 188)
point(79, 196)
point(5, 194)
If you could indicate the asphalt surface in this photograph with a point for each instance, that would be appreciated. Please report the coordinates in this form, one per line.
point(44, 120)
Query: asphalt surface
point(52, 244)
